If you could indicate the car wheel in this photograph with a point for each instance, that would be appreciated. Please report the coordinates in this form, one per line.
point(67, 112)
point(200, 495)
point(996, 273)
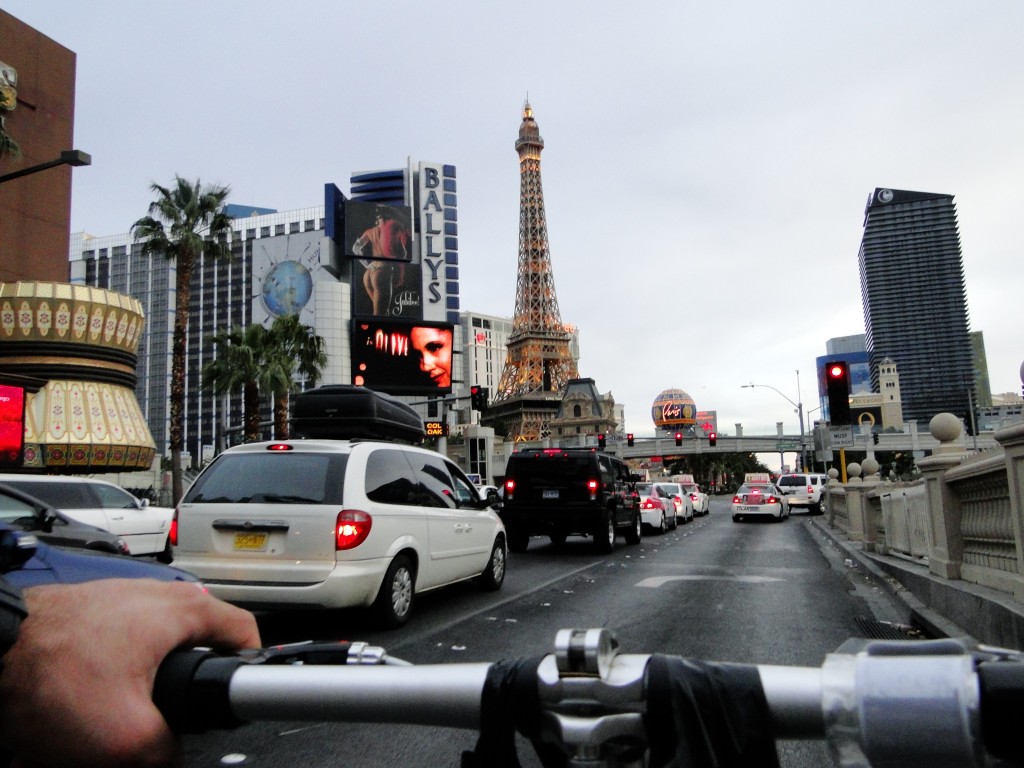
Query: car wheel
point(604, 536)
point(394, 601)
point(662, 524)
point(167, 556)
point(518, 541)
point(635, 531)
point(494, 574)
point(558, 539)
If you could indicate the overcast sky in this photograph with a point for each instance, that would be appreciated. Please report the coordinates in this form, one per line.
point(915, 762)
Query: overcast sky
point(706, 165)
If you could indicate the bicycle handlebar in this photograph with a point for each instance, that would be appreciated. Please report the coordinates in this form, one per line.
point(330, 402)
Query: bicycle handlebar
point(927, 703)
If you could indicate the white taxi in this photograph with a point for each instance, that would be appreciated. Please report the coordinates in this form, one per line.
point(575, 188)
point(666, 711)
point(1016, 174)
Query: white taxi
point(759, 497)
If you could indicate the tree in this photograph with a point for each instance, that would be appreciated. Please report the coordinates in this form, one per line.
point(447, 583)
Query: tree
point(184, 221)
point(298, 351)
point(259, 360)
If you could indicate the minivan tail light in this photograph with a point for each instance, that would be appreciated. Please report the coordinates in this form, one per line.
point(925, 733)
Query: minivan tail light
point(172, 535)
point(351, 529)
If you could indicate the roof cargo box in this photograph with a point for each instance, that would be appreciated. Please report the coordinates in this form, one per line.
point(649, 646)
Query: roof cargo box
point(342, 412)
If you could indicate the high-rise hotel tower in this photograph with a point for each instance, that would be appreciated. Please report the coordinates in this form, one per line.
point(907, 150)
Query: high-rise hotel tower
point(915, 303)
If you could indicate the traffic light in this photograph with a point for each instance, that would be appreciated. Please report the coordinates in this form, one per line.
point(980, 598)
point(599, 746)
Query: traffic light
point(601, 442)
point(629, 439)
point(874, 438)
point(712, 439)
point(478, 398)
point(837, 385)
point(679, 438)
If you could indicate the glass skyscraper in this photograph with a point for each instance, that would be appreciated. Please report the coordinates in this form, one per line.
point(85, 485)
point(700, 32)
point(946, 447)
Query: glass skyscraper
point(915, 303)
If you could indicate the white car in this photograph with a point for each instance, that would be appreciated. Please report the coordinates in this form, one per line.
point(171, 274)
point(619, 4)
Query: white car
point(701, 502)
point(754, 500)
point(144, 528)
point(322, 523)
point(682, 504)
point(657, 509)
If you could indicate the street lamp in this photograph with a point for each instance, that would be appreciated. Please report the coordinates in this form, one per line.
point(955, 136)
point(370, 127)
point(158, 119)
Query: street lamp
point(799, 408)
point(73, 157)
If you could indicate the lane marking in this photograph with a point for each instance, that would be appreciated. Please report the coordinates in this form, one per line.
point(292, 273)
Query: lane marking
point(657, 581)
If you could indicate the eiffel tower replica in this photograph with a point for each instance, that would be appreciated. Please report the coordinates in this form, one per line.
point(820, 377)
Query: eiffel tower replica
point(539, 362)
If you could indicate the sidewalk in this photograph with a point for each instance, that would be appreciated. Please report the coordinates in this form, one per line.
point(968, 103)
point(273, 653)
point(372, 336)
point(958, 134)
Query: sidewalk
point(942, 607)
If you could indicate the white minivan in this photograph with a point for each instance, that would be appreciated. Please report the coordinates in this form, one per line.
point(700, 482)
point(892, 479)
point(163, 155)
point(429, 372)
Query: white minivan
point(324, 523)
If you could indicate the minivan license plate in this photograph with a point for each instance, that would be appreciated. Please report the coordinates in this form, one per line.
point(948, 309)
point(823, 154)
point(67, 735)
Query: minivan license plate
point(251, 542)
point(550, 493)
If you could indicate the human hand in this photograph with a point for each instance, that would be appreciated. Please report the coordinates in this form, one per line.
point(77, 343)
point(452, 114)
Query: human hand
point(76, 688)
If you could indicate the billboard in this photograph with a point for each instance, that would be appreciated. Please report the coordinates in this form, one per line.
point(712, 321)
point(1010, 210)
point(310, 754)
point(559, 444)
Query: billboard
point(402, 357)
point(385, 281)
point(12, 425)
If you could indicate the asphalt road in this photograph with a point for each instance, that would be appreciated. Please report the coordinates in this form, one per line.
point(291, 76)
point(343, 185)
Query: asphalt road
point(759, 592)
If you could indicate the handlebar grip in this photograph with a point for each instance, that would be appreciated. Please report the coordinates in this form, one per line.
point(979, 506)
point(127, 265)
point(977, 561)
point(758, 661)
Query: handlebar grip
point(1002, 698)
point(191, 690)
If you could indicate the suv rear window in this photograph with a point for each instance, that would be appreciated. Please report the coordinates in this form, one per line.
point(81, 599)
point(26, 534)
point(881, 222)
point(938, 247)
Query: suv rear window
point(281, 478)
point(529, 470)
point(792, 480)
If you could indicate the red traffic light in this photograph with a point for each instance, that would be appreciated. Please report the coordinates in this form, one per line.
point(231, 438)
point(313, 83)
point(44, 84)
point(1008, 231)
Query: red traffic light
point(679, 438)
point(712, 438)
point(629, 439)
point(837, 371)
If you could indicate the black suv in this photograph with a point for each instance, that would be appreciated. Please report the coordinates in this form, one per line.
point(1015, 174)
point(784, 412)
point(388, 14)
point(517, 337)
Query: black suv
point(558, 492)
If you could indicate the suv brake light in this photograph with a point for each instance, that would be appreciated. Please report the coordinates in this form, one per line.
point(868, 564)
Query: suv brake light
point(592, 486)
point(810, 489)
point(510, 488)
point(352, 528)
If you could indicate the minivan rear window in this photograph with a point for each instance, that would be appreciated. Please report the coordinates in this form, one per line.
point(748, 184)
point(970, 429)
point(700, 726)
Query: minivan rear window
point(277, 478)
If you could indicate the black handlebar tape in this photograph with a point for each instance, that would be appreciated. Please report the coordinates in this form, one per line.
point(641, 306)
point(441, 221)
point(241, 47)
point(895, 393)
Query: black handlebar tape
point(191, 690)
point(1002, 700)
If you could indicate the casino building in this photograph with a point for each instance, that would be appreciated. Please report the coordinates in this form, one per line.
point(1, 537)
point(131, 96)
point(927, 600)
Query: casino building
point(302, 261)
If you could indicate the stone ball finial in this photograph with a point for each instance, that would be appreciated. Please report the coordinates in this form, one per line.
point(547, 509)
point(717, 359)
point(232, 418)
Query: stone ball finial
point(945, 427)
point(870, 466)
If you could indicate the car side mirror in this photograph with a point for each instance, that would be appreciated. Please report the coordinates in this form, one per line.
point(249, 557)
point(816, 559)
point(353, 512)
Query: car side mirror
point(143, 503)
point(16, 548)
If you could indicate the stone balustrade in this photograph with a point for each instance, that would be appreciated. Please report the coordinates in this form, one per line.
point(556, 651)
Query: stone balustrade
point(963, 517)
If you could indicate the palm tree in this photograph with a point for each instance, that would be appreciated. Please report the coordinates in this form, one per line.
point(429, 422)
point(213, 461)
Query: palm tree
point(259, 359)
point(245, 359)
point(300, 352)
point(184, 221)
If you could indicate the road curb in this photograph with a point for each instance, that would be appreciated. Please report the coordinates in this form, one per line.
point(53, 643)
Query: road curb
point(890, 577)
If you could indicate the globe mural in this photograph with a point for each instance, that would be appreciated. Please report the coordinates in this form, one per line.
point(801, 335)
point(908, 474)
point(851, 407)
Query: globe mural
point(287, 288)
point(673, 409)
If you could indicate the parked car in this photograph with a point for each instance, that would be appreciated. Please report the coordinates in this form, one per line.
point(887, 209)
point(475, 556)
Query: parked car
point(58, 565)
point(682, 504)
point(561, 492)
point(759, 500)
point(657, 507)
point(804, 490)
point(336, 523)
point(25, 512)
point(143, 527)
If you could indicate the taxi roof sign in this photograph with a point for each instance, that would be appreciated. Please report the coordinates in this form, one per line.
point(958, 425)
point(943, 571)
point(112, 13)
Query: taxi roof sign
point(757, 477)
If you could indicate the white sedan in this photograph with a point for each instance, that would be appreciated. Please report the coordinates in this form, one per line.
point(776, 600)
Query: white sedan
point(701, 502)
point(759, 500)
point(144, 528)
point(682, 503)
point(657, 510)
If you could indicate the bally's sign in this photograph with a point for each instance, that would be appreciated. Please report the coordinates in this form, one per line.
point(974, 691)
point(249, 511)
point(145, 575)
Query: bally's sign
point(437, 210)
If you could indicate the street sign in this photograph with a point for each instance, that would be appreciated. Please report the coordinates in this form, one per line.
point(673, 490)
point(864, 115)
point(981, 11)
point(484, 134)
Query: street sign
point(842, 436)
point(786, 445)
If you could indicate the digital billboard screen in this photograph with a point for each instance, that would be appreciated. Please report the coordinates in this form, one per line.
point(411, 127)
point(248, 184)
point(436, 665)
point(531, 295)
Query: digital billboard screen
point(12, 425)
point(402, 357)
